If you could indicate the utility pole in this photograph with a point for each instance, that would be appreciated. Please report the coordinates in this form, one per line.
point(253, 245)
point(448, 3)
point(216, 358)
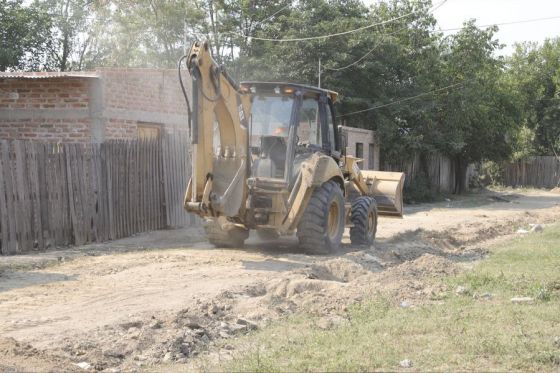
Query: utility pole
point(319, 72)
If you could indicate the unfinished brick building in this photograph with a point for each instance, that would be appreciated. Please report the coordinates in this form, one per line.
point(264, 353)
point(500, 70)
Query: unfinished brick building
point(95, 106)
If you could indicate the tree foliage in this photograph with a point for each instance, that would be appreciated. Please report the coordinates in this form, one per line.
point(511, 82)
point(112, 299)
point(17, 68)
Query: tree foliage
point(24, 35)
point(534, 73)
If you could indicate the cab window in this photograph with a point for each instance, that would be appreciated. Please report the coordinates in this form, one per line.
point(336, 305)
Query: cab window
point(309, 127)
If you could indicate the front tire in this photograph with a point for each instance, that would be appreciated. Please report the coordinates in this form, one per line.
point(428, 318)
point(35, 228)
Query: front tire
point(230, 238)
point(322, 224)
point(364, 218)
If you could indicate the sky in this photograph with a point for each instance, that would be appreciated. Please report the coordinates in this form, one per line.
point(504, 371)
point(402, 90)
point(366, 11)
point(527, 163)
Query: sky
point(454, 12)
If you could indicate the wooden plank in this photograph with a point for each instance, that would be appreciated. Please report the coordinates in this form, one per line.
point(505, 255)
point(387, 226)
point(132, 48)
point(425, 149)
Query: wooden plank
point(129, 190)
point(172, 180)
point(148, 196)
point(161, 201)
point(22, 208)
point(116, 196)
point(110, 205)
point(120, 186)
point(117, 184)
point(165, 164)
point(78, 182)
point(53, 177)
point(70, 153)
point(50, 177)
point(142, 201)
point(104, 197)
point(94, 190)
point(176, 168)
point(124, 200)
point(10, 197)
point(65, 196)
point(103, 219)
point(137, 181)
point(37, 227)
point(153, 183)
point(86, 191)
point(4, 227)
point(42, 167)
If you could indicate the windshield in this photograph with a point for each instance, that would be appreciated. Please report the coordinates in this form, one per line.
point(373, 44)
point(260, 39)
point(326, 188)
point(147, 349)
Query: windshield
point(270, 117)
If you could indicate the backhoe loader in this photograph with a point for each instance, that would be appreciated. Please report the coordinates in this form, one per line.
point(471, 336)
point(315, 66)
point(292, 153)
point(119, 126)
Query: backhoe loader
point(268, 156)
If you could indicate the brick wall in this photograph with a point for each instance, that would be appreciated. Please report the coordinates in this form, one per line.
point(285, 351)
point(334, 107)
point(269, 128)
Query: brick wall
point(148, 90)
point(48, 109)
point(107, 104)
point(60, 130)
point(366, 138)
point(132, 96)
point(117, 129)
point(53, 93)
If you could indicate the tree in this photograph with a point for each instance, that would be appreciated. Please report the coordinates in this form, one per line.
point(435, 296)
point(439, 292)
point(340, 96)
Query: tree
point(73, 23)
point(534, 72)
point(477, 120)
point(24, 35)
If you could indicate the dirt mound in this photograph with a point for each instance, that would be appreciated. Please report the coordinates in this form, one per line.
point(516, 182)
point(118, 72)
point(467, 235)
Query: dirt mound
point(555, 190)
point(339, 269)
point(23, 357)
point(427, 265)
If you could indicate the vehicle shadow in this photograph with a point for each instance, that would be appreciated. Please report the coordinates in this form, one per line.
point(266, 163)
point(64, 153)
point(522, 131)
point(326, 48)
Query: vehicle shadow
point(384, 254)
point(20, 279)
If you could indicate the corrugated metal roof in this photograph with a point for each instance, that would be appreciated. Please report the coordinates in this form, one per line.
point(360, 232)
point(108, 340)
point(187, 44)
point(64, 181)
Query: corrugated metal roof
point(49, 74)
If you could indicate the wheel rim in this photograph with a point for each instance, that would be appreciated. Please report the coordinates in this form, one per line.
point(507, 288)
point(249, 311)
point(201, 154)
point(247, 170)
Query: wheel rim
point(371, 224)
point(332, 220)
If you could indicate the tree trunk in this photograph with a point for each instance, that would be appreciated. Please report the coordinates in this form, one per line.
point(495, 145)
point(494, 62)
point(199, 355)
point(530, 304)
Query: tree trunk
point(460, 175)
point(424, 169)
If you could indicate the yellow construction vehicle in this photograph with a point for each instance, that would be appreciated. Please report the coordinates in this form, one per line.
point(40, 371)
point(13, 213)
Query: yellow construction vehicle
point(268, 157)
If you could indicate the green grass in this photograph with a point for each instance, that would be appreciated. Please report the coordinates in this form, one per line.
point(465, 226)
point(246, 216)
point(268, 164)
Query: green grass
point(464, 332)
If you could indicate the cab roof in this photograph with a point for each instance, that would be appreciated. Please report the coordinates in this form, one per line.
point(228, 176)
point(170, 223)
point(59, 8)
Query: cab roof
point(271, 85)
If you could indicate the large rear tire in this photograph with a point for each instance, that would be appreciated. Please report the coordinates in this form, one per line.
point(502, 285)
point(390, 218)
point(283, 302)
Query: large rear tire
point(364, 219)
point(234, 237)
point(322, 224)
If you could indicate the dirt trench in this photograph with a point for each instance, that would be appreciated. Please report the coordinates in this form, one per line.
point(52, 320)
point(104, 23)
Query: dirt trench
point(153, 299)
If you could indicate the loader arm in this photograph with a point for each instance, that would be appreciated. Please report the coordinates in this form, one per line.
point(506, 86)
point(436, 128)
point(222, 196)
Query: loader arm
point(219, 135)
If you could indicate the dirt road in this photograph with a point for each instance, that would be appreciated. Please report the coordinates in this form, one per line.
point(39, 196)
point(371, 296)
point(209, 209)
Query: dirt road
point(166, 296)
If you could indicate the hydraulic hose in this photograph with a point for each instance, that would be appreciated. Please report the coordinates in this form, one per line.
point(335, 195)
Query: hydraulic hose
point(189, 111)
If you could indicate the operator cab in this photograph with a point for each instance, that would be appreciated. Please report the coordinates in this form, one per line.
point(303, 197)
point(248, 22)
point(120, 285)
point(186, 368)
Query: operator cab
point(289, 122)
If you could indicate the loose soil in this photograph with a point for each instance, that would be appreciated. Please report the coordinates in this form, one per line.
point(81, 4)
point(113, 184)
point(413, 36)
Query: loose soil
point(168, 296)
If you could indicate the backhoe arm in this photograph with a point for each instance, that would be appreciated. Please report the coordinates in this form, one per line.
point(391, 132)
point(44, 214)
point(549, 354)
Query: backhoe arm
point(219, 138)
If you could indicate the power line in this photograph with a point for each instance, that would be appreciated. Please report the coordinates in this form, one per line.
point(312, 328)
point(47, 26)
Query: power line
point(269, 17)
point(506, 23)
point(343, 32)
point(451, 29)
point(365, 55)
point(403, 100)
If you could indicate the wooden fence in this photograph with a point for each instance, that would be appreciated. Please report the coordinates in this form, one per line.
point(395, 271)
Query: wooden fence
point(441, 172)
point(539, 172)
point(57, 195)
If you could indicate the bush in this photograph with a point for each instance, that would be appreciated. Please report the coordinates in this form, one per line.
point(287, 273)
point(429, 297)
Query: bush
point(418, 190)
point(490, 173)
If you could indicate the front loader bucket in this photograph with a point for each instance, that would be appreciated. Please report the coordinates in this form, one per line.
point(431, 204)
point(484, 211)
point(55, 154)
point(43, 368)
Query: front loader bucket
point(387, 189)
